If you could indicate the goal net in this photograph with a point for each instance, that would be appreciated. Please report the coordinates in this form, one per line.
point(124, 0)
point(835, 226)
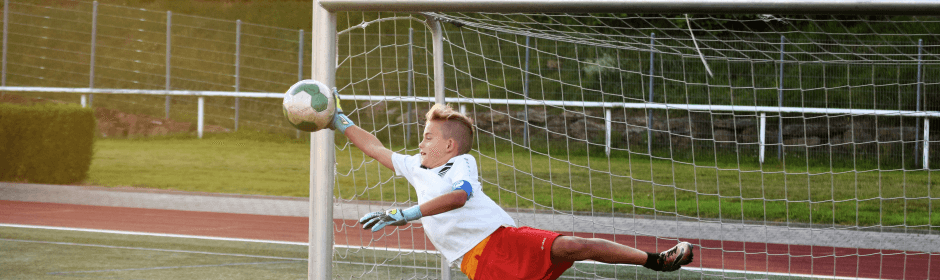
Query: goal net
point(780, 145)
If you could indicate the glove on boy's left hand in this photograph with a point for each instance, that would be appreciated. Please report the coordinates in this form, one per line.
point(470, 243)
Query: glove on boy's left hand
point(340, 120)
point(396, 217)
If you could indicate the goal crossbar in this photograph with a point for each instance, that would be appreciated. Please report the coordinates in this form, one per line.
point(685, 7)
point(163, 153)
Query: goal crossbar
point(871, 7)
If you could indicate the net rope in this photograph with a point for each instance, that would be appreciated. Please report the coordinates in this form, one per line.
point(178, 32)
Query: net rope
point(667, 175)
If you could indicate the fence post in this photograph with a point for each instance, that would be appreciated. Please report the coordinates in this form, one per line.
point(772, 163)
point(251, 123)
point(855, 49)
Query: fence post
point(926, 143)
point(91, 71)
point(6, 23)
point(762, 135)
point(607, 127)
point(300, 65)
point(411, 76)
point(780, 104)
point(201, 112)
point(238, 39)
point(920, 81)
point(525, 96)
point(649, 112)
point(169, 20)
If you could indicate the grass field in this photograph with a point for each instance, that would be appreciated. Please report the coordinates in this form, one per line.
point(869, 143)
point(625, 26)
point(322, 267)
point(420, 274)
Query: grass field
point(240, 163)
point(57, 254)
point(276, 165)
point(32, 253)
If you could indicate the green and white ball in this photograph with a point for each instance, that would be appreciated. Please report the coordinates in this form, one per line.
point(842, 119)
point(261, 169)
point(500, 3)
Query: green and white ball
point(309, 105)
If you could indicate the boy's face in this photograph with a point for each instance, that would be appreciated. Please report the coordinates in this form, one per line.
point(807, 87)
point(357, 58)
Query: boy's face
point(433, 146)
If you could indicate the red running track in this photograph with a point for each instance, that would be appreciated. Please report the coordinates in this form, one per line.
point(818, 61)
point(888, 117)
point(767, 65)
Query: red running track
point(712, 254)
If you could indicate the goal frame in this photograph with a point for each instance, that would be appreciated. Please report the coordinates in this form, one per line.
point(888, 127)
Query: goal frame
point(323, 68)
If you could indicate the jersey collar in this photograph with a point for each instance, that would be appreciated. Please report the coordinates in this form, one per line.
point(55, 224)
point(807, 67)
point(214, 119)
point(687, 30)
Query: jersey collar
point(443, 168)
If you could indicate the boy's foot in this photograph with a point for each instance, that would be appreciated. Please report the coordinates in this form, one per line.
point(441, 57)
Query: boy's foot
point(675, 258)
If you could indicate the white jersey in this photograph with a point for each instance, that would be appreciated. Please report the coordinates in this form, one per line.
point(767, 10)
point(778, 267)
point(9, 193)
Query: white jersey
point(457, 231)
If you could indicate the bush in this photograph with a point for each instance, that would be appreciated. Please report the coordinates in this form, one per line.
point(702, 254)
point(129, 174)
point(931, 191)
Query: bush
point(45, 143)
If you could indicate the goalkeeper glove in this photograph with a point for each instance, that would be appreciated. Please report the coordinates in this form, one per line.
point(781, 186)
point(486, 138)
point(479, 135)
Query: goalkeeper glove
point(395, 217)
point(340, 121)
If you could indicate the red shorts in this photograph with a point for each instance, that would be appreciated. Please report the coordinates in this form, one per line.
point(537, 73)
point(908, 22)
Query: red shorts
point(519, 253)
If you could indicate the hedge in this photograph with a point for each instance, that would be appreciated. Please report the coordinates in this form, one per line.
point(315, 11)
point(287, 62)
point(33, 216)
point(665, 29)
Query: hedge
point(46, 143)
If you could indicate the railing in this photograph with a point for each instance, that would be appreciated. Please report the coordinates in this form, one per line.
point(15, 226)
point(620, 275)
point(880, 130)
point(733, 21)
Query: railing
point(763, 110)
point(174, 31)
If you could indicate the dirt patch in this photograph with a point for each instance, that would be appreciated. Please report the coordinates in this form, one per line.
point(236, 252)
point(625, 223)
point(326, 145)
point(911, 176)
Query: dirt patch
point(16, 99)
point(116, 124)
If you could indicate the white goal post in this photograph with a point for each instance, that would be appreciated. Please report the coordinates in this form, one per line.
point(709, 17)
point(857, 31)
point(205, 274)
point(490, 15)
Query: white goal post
point(324, 58)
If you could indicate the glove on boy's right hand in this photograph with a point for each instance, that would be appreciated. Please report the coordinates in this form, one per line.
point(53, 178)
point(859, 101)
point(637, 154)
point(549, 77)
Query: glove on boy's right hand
point(396, 217)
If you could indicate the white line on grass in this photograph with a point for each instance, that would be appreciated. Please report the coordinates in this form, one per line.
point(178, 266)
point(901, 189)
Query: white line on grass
point(775, 273)
point(165, 267)
point(211, 238)
point(156, 234)
point(388, 265)
point(732, 271)
point(348, 247)
point(152, 249)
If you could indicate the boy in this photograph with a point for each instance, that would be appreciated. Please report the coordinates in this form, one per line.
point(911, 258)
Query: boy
point(462, 222)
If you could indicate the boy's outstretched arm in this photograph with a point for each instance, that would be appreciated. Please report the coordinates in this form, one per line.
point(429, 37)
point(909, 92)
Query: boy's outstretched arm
point(399, 217)
point(462, 191)
point(365, 141)
point(370, 145)
point(444, 203)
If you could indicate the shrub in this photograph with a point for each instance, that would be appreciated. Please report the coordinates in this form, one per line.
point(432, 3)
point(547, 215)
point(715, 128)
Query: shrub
point(46, 143)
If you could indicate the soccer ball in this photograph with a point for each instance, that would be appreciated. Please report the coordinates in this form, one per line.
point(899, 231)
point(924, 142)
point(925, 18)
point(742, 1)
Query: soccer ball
point(309, 105)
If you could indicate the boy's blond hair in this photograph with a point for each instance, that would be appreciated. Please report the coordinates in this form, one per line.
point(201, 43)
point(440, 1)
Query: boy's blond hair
point(456, 126)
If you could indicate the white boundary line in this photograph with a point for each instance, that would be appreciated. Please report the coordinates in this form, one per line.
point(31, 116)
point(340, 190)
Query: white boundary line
point(151, 249)
point(167, 267)
point(209, 238)
point(369, 248)
point(811, 276)
point(702, 269)
point(155, 234)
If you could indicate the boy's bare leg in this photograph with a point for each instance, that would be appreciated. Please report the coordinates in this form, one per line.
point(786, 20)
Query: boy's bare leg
point(571, 249)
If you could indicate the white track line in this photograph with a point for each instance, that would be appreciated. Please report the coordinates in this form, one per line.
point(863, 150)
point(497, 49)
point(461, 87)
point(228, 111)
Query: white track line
point(352, 247)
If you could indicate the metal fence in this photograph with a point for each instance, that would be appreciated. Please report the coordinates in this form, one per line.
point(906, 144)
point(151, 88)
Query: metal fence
point(212, 72)
point(93, 45)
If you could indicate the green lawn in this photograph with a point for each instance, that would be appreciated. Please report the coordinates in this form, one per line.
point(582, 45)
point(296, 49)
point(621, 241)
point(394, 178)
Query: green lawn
point(255, 163)
point(639, 185)
point(57, 254)
point(220, 164)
